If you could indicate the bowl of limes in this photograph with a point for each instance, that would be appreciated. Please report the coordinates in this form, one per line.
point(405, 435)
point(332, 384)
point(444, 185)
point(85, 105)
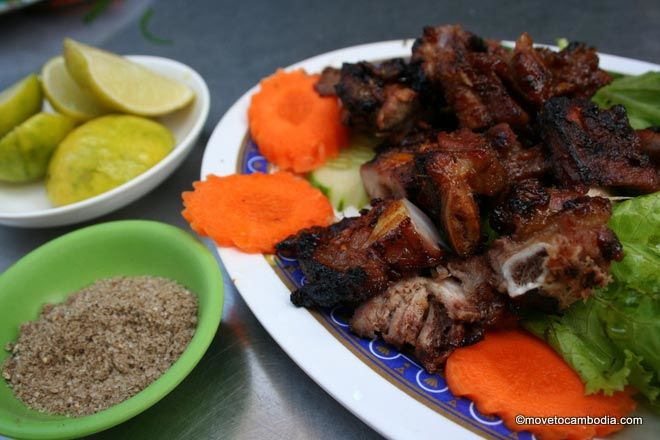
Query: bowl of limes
point(94, 132)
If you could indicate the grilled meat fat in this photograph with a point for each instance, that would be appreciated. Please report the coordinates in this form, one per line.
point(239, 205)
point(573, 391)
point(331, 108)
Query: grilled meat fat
point(350, 261)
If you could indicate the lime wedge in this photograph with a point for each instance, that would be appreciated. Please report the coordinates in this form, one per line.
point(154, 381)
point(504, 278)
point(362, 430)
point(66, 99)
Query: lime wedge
point(26, 150)
point(123, 85)
point(103, 154)
point(65, 95)
point(19, 102)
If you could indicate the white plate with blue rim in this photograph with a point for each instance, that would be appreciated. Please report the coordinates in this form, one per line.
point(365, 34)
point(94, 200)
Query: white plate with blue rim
point(387, 389)
point(27, 205)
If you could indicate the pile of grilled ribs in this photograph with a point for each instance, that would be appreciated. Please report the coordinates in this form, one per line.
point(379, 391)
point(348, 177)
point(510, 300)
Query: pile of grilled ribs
point(477, 139)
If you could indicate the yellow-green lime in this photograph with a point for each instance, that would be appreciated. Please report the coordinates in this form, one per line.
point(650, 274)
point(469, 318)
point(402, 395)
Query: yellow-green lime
point(103, 154)
point(65, 95)
point(122, 84)
point(19, 102)
point(26, 150)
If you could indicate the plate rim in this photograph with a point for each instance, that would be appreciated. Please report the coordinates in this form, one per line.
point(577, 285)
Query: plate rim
point(351, 382)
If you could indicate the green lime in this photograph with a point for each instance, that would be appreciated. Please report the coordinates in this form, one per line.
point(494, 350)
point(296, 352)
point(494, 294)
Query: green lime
point(65, 95)
point(123, 85)
point(19, 102)
point(103, 154)
point(26, 150)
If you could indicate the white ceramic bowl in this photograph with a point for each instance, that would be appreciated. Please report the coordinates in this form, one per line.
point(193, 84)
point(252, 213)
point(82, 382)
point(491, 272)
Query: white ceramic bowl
point(27, 206)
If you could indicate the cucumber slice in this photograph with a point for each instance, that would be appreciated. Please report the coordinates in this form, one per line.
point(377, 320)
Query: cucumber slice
point(339, 178)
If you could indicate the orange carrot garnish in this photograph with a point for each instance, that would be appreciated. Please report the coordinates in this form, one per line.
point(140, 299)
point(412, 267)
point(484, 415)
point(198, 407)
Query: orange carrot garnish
point(513, 373)
point(295, 128)
point(254, 211)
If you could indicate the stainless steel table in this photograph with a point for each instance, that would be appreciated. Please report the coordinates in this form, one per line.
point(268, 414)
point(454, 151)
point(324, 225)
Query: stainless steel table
point(246, 386)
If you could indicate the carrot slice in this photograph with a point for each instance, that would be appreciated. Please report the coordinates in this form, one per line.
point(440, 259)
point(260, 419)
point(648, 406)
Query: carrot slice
point(513, 373)
point(295, 128)
point(254, 211)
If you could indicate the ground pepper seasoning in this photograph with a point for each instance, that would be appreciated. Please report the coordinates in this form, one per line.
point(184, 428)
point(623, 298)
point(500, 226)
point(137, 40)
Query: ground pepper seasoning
point(103, 345)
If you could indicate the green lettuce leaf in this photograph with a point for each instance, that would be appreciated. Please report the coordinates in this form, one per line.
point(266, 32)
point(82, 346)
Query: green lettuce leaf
point(639, 94)
point(562, 43)
point(613, 339)
point(637, 224)
point(631, 321)
point(638, 220)
point(640, 268)
point(580, 337)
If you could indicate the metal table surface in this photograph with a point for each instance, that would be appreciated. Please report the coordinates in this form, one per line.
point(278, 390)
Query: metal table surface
point(246, 386)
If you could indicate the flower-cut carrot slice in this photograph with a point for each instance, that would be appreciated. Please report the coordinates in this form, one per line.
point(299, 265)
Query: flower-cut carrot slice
point(296, 128)
point(512, 373)
point(254, 211)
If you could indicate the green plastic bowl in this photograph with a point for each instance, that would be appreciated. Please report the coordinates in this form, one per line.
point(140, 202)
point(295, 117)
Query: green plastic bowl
point(65, 265)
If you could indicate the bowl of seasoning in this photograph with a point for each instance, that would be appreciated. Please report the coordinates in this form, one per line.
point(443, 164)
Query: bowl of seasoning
point(98, 325)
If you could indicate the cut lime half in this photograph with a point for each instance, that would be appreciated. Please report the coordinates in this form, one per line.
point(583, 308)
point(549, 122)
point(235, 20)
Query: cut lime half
point(123, 85)
point(66, 96)
point(19, 102)
point(27, 149)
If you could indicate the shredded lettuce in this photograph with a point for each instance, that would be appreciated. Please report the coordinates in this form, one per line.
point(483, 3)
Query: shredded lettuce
point(639, 94)
point(613, 339)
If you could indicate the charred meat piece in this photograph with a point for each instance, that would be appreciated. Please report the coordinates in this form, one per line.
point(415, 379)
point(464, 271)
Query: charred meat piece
point(433, 316)
point(358, 257)
point(649, 139)
point(463, 167)
point(520, 163)
point(539, 74)
point(532, 78)
point(420, 134)
point(563, 250)
point(528, 206)
point(328, 81)
point(392, 172)
point(575, 71)
point(594, 147)
point(469, 73)
point(475, 277)
point(389, 174)
point(444, 178)
point(376, 98)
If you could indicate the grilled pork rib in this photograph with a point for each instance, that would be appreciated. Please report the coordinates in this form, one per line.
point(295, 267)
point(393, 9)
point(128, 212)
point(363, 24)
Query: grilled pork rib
point(328, 81)
point(350, 261)
point(375, 98)
point(518, 121)
point(392, 172)
point(433, 316)
point(528, 206)
point(468, 72)
point(463, 166)
point(520, 163)
point(539, 73)
point(593, 147)
point(444, 178)
point(559, 247)
point(649, 139)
